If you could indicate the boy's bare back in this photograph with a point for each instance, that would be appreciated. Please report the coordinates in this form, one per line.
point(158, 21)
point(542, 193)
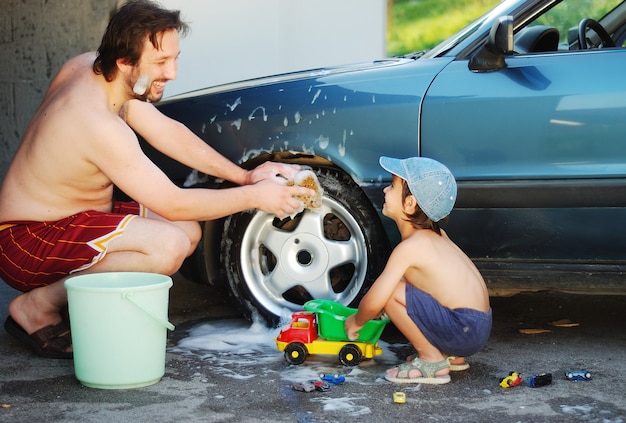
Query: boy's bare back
point(436, 265)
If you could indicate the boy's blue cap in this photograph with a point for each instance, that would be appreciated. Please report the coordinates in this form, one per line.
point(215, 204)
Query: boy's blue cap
point(430, 182)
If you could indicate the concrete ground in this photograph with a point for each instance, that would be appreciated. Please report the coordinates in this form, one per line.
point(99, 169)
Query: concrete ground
point(221, 386)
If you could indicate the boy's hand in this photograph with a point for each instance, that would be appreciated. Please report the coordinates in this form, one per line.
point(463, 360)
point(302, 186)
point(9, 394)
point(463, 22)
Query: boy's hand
point(352, 329)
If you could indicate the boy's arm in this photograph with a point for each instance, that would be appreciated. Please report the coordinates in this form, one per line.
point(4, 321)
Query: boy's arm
point(382, 289)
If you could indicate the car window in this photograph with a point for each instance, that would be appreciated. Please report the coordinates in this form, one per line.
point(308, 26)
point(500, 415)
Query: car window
point(562, 22)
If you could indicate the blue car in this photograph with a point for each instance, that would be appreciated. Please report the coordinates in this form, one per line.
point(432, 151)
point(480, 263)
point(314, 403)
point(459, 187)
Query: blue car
point(526, 106)
point(335, 379)
point(578, 375)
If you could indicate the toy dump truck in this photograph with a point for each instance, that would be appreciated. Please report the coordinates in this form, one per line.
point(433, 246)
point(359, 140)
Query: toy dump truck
point(319, 329)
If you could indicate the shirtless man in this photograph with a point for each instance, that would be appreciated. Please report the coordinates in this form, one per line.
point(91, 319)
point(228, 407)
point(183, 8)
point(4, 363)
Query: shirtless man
point(430, 289)
point(79, 144)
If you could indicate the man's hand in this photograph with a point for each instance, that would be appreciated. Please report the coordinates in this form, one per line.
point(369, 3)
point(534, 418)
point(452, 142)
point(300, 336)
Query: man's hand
point(277, 198)
point(270, 170)
point(352, 329)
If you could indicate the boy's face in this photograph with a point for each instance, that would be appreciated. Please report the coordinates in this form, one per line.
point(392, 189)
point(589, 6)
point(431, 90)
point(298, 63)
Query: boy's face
point(395, 206)
point(393, 198)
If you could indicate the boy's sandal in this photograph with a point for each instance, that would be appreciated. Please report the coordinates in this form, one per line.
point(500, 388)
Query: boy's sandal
point(453, 367)
point(457, 367)
point(428, 371)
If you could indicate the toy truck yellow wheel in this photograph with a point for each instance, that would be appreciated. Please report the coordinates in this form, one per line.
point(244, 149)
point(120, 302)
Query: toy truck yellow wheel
point(350, 355)
point(296, 353)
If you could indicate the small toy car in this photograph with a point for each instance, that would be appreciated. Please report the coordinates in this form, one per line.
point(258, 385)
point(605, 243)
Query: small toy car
point(513, 379)
point(303, 386)
point(578, 375)
point(399, 397)
point(320, 385)
point(540, 380)
point(311, 385)
point(334, 379)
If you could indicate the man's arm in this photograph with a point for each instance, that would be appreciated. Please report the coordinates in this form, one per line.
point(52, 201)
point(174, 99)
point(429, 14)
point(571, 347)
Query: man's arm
point(175, 140)
point(118, 155)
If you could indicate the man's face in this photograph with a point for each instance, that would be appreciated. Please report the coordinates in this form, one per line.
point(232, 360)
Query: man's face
point(156, 66)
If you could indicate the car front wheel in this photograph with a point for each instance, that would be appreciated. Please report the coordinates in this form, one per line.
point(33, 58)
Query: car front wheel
point(274, 266)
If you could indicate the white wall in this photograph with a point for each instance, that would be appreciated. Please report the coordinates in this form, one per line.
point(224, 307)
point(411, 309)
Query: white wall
point(232, 40)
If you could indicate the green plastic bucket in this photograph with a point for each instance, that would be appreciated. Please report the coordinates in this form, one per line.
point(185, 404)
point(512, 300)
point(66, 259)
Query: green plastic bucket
point(119, 328)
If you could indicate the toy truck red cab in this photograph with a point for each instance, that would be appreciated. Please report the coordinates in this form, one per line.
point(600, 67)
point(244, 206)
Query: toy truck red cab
point(303, 328)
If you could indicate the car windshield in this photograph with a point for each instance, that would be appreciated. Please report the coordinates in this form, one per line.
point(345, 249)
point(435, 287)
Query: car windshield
point(459, 37)
point(564, 16)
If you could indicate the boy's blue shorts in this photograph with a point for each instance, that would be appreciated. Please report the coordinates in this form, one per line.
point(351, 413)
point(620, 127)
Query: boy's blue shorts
point(460, 332)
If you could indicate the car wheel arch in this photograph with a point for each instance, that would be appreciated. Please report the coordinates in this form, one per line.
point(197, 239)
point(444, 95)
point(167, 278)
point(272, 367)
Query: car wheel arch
point(215, 234)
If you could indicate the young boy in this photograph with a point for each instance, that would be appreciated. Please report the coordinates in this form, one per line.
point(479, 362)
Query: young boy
point(430, 289)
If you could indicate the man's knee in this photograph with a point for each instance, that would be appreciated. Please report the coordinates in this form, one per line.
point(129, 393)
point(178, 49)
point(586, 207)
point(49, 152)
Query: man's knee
point(173, 247)
point(195, 234)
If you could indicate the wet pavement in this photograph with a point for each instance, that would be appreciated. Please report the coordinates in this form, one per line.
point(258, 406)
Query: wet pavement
point(255, 384)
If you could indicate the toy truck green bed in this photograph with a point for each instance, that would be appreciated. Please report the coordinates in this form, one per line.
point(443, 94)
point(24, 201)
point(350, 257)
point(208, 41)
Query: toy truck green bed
point(331, 318)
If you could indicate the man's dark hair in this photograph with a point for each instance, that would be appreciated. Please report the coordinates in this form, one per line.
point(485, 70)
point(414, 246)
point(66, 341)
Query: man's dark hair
point(127, 30)
point(419, 220)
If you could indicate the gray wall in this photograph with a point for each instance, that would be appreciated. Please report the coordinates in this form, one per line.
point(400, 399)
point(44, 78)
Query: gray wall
point(36, 37)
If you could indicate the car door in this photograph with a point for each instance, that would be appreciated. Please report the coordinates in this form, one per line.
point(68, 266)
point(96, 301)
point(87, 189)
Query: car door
point(539, 151)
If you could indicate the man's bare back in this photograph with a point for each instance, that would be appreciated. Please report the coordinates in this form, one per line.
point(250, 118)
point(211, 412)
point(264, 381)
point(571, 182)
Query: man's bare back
point(53, 174)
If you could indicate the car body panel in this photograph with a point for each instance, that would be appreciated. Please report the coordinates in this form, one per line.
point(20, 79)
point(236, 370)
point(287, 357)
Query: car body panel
point(555, 126)
point(538, 147)
point(544, 141)
point(334, 116)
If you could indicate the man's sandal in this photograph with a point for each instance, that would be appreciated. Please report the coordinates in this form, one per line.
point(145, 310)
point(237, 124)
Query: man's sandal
point(428, 371)
point(50, 342)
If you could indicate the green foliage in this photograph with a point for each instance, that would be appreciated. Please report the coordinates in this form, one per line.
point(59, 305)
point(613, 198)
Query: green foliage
point(417, 25)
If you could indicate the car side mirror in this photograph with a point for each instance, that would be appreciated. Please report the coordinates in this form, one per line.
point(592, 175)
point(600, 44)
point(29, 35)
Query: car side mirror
point(490, 57)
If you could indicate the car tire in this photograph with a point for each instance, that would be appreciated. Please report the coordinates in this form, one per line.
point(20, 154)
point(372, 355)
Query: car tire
point(274, 266)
